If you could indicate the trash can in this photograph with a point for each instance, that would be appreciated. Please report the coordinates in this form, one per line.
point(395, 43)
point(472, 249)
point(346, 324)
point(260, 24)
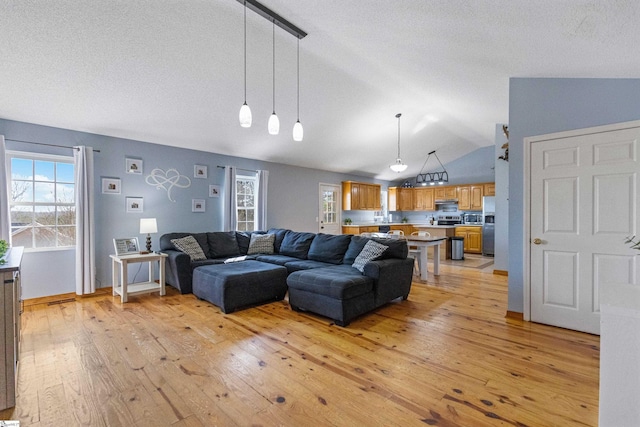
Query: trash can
point(457, 248)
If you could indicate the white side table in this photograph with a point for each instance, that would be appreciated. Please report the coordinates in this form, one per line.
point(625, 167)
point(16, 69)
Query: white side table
point(123, 288)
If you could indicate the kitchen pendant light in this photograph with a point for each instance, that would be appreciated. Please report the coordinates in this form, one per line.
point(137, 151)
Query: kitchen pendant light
point(245, 111)
point(298, 132)
point(432, 178)
point(274, 122)
point(398, 166)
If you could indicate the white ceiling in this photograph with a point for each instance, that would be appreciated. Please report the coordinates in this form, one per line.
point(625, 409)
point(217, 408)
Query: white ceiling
point(171, 72)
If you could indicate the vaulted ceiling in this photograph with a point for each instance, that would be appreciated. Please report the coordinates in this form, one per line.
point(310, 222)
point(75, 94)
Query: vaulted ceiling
point(171, 72)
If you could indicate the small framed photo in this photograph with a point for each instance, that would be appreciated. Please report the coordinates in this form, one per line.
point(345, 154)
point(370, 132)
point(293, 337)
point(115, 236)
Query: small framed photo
point(133, 166)
point(197, 205)
point(111, 186)
point(199, 171)
point(126, 246)
point(214, 191)
point(134, 204)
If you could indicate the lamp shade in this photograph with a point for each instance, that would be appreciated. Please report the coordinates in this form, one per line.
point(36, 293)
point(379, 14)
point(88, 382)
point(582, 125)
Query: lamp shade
point(298, 132)
point(148, 225)
point(273, 124)
point(245, 116)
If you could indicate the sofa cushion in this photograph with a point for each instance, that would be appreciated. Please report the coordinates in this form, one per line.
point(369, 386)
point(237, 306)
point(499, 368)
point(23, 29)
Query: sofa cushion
point(276, 259)
point(279, 233)
point(261, 244)
point(334, 282)
point(305, 264)
point(244, 239)
point(190, 246)
point(222, 244)
point(329, 248)
point(397, 248)
point(165, 240)
point(372, 250)
point(296, 244)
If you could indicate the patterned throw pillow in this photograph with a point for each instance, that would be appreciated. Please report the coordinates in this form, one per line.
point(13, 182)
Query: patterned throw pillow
point(190, 246)
point(371, 251)
point(261, 244)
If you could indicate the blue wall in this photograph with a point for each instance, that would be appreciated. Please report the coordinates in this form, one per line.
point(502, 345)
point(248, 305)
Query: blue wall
point(542, 106)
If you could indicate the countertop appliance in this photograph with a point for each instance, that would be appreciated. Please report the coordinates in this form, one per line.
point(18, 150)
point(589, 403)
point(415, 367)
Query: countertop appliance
point(473, 219)
point(449, 219)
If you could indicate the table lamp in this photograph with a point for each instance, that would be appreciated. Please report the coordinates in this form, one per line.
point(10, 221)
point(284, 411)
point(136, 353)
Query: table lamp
point(148, 225)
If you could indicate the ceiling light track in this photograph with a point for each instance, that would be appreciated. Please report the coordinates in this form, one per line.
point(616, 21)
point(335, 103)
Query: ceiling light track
point(271, 16)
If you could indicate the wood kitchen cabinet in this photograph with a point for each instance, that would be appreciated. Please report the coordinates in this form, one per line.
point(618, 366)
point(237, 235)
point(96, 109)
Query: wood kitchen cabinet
point(360, 196)
point(423, 199)
point(464, 197)
point(490, 189)
point(400, 199)
point(475, 195)
point(406, 229)
point(445, 193)
point(472, 238)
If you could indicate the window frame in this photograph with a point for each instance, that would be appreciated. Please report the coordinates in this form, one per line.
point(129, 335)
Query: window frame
point(254, 179)
point(54, 158)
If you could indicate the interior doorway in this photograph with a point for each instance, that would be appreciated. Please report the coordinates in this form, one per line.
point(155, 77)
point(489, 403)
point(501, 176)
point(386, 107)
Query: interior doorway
point(330, 205)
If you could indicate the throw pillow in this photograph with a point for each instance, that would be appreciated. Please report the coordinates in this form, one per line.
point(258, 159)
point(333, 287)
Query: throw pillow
point(371, 251)
point(261, 244)
point(190, 246)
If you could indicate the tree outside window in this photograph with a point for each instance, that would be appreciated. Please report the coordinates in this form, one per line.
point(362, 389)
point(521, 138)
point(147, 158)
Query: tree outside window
point(246, 202)
point(42, 201)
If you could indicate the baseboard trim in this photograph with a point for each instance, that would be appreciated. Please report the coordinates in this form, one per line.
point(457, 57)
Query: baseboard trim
point(62, 298)
point(501, 272)
point(514, 315)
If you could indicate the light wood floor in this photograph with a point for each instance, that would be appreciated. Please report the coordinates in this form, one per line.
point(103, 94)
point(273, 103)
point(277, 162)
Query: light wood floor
point(447, 356)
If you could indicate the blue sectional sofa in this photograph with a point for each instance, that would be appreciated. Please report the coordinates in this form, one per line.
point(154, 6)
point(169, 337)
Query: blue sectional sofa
point(319, 273)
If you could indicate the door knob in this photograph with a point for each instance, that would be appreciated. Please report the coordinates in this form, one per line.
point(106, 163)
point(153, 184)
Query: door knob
point(537, 241)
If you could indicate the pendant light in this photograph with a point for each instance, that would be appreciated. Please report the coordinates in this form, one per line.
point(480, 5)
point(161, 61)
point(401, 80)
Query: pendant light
point(398, 166)
point(298, 132)
point(245, 111)
point(274, 123)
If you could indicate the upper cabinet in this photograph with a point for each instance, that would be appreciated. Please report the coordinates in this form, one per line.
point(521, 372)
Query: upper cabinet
point(470, 197)
point(360, 196)
point(424, 199)
point(446, 193)
point(490, 189)
point(400, 199)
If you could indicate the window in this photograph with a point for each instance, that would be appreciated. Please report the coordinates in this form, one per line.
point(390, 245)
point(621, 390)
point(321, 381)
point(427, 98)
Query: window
point(246, 202)
point(42, 201)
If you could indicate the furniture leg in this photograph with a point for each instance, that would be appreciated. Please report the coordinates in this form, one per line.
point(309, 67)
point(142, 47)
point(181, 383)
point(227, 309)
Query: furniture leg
point(114, 276)
point(424, 259)
point(161, 277)
point(436, 260)
point(124, 278)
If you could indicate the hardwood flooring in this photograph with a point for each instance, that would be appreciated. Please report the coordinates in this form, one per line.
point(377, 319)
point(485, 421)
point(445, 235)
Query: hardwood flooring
point(447, 357)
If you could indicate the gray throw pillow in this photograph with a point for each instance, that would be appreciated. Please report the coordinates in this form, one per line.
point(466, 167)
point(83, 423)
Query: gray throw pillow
point(370, 252)
point(261, 244)
point(190, 246)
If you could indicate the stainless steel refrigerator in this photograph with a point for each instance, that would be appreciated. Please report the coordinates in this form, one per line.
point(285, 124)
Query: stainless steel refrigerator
point(488, 225)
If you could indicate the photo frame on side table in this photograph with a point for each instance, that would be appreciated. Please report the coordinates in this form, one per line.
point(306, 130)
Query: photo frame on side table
point(126, 246)
point(134, 204)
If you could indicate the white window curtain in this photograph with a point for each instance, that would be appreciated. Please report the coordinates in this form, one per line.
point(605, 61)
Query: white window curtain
point(5, 215)
point(230, 211)
point(261, 208)
point(85, 226)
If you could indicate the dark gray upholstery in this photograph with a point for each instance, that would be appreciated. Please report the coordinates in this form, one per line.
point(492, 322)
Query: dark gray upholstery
point(321, 279)
point(240, 284)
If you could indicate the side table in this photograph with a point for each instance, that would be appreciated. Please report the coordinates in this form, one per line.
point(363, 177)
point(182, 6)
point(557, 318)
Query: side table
point(123, 288)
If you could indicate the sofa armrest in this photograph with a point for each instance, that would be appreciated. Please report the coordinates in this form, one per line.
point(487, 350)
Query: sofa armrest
point(391, 278)
point(178, 271)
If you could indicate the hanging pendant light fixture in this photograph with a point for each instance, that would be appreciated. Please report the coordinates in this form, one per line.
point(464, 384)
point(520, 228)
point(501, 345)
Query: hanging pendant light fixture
point(298, 132)
point(398, 166)
point(245, 111)
point(274, 122)
point(432, 178)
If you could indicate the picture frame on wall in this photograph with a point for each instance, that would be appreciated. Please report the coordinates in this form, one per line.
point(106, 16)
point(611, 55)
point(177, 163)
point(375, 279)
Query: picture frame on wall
point(133, 166)
point(134, 204)
point(214, 190)
point(126, 246)
point(111, 186)
point(198, 205)
point(200, 171)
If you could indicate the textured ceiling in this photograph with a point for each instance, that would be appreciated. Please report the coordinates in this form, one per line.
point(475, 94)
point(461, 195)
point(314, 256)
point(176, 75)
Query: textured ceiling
point(171, 72)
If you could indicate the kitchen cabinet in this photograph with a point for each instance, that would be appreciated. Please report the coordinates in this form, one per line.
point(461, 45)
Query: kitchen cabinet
point(358, 229)
point(400, 199)
point(406, 229)
point(445, 193)
point(464, 197)
point(475, 195)
point(490, 189)
point(360, 196)
point(423, 199)
point(472, 238)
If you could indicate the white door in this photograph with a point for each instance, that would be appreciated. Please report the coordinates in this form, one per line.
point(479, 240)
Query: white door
point(583, 203)
point(330, 209)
